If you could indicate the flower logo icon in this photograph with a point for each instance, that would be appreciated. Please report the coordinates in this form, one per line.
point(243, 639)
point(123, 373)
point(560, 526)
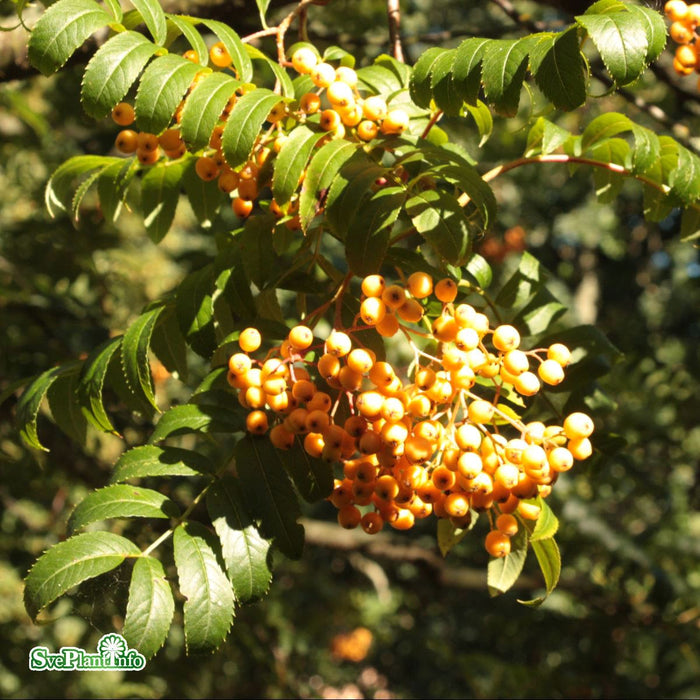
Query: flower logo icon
point(110, 647)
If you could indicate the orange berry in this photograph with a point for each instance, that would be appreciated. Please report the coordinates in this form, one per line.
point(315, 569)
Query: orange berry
point(304, 60)
point(456, 505)
point(373, 285)
point(388, 326)
point(349, 517)
point(559, 353)
point(191, 55)
point(505, 338)
point(367, 130)
point(123, 114)
point(126, 141)
point(360, 360)
point(256, 422)
point(330, 120)
point(219, 55)
point(395, 122)
point(310, 103)
point(578, 425)
point(420, 285)
point(676, 10)
point(249, 340)
point(446, 290)
point(372, 311)
point(497, 544)
point(146, 157)
point(241, 207)
point(372, 523)
point(301, 337)
point(281, 438)
point(374, 108)
point(340, 94)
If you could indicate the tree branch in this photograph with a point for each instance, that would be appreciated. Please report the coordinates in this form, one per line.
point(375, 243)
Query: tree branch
point(393, 11)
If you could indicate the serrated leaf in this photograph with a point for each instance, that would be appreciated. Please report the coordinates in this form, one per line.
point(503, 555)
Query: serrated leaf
point(608, 181)
point(205, 198)
point(523, 284)
point(604, 127)
point(192, 418)
point(160, 193)
point(480, 194)
point(312, 477)
point(234, 295)
point(445, 92)
point(187, 27)
point(134, 356)
point(153, 461)
point(323, 168)
point(30, 402)
point(449, 535)
point(80, 193)
point(503, 572)
point(269, 494)
point(168, 343)
point(559, 69)
point(480, 270)
point(235, 47)
point(244, 124)
point(244, 551)
point(420, 86)
point(154, 18)
point(655, 28)
point(195, 310)
point(547, 523)
point(291, 162)
point(685, 179)
point(150, 609)
point(65, 407)
point(367, 237)
point(545, 137)
point(646, 149)
point(162, 86)
point(268, 306)
point(259, 260)
point(380, 79)
point(71, 562)
point(503, 71)
point(209, 607)
point(690, 224)
point(540, 313)
point(204, 106)
point(112, 185)
point(481, 115)
point(281, 75)
point(113, 70)
point(91, 383)
point(439, 218)
point(549, 559)
point(62, 28)
point(467, 68)
point(121, 501)
point(621, 40)
point(59, 189)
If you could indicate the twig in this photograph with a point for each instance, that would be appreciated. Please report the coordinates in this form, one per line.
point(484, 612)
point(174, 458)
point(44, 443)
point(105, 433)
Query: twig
point(393, 12)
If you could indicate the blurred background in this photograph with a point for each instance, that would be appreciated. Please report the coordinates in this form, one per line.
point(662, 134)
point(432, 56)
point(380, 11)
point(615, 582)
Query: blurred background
point(360, 617)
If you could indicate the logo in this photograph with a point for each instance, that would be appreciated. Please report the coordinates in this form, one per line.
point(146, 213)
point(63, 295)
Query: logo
point(113, 654)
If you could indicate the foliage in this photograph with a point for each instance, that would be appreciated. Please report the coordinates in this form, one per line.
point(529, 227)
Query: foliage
point(198, 323)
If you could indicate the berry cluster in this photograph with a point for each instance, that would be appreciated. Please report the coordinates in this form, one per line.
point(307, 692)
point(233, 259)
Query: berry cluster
point(441, 438)
point(685, 20)
point(334, 106)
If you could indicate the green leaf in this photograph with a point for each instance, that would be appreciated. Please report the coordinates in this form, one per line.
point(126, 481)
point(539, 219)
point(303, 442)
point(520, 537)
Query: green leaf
point(621, 40)
point(503, 572)
point(604, 127)
point(547, 524)
point(121, 501)
point(481, 115)
point(690, 224)
point(30, 402)
point(312, 477)
point(420, 86)
point(445, 92)
point(150, 609)
point(195, 310)
point(549, 559)
point(71, 562)
point(269, 494)
point(367, 238)
point(480, 270)
point(134, 356)
point(384, 77)
point(503, 72)
point(204, 106)
point(449, 535)
point(608, 181)
point(154, 17)
point(168, 343)
point(187, 27)
point(160, 193)
point(559, 69)
point(244, 124)
point(244, 551)
point(655, 29)
point(279, 72)
point(647, 148)
point(65, 407)
point(59, 189)
point(467, 68)
point(523, 284)
point(209, 606)
point(113, 70)
point(162, 86)
point(235, 296)
point(291, 162)
point(260, 262)
point(540, 313)
point(205, 198)
point(480, 194)
point(192, 418)
point(323, 168)
point(235, 47)
point(91, 383)
point(112, 185)
point(61, 30)
point(685, 179)
point(440, 219)
point(262, 9)
point(153, 461)
point(545, 137)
